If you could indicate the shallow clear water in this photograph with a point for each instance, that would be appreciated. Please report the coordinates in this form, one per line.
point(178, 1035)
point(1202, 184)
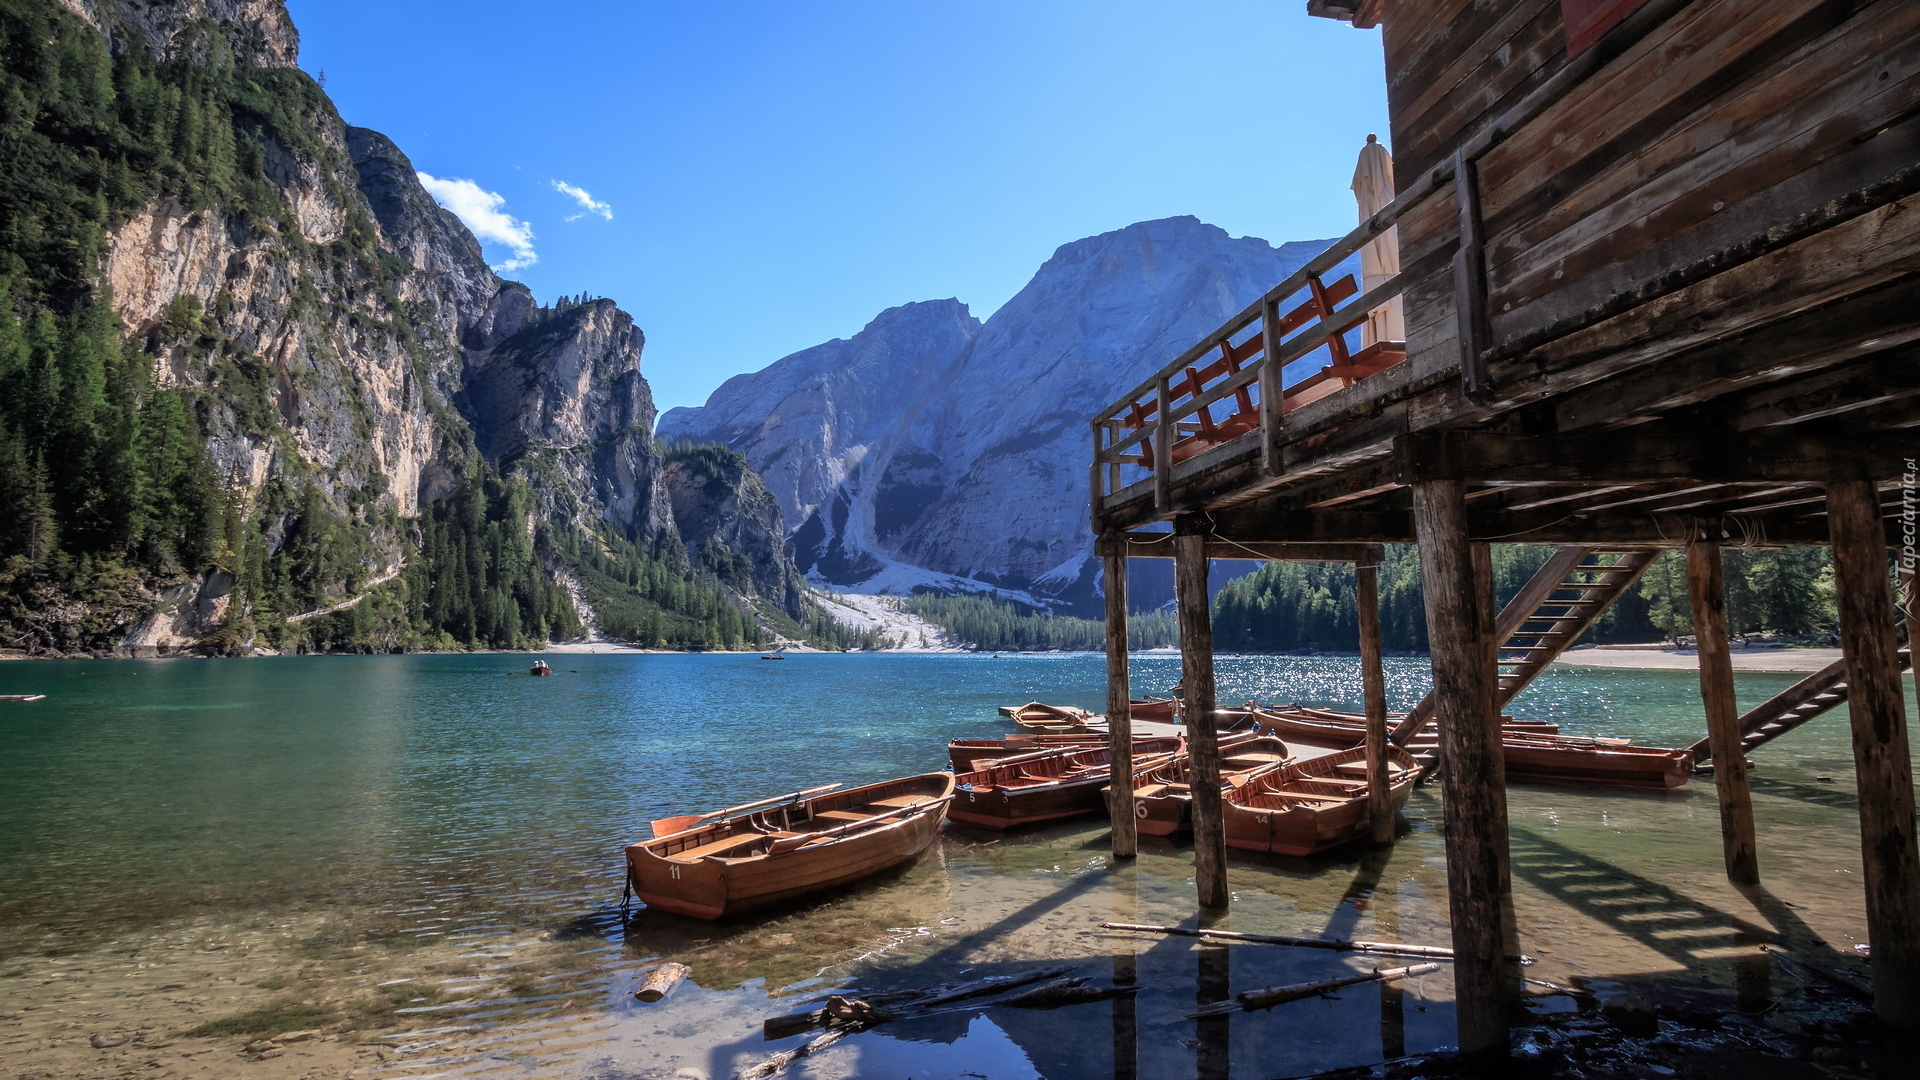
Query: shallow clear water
point(331, 820)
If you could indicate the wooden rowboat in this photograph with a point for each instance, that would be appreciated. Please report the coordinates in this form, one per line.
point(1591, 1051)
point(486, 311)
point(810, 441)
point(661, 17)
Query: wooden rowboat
point(1163, 799)
point(1352, 727)
point(1311, 805)
point(1160, 709)
point(765, 853)
point(1039, 716)
point(1565, 759)
point(1532, 749)
point(1043, 786)
point(970, 754)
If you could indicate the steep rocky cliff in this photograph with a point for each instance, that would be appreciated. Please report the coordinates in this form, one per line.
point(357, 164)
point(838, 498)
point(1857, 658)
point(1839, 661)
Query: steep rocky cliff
point(829, 431)
point(255, 370)
point(926, 451)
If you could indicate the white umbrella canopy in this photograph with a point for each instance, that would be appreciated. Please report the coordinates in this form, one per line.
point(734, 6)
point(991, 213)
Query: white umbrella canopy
point(1380, 259)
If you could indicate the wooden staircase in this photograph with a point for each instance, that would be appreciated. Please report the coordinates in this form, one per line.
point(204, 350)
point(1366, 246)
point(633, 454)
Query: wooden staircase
point(1795, 705)
point(1549, 613)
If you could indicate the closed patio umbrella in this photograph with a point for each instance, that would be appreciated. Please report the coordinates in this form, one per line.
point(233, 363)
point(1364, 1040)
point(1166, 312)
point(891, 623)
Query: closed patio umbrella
point(1380, 259)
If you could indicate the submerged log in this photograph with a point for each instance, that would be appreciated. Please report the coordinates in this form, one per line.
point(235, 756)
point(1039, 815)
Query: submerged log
point(1382, 948)
point(777, 1064)
point(1053, 995)
point(1278, 995)
point(843, 1016)
point(661, 981)
point(1846, 983)
point(906, 1002)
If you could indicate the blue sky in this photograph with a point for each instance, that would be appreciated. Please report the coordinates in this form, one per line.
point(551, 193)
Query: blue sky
point(768, 176)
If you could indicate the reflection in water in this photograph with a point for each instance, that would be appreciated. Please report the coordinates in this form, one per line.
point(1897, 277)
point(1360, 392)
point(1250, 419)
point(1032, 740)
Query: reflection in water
point(1213, 1055)
point(1126, 1035)
point(427, 848)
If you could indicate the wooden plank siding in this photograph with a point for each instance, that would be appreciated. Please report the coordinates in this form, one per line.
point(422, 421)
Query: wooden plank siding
point(1588, 203)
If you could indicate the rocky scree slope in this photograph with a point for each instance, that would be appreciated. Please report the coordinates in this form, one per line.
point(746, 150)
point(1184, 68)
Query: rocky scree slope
point(930, 450)
point(253, 367)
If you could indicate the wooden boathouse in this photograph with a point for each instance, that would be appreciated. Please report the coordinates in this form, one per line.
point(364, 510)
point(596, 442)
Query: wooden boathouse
point(1660, 271)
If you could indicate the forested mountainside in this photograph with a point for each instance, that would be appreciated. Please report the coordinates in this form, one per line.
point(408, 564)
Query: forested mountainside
point(1304, 607)
point(258, 390)
point(1284, 607)
point(933, 450)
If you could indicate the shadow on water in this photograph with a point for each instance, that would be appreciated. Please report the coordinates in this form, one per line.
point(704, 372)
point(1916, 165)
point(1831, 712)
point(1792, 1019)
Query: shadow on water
point(1837, 796)
point(1044, 1045)
point(1702, 938)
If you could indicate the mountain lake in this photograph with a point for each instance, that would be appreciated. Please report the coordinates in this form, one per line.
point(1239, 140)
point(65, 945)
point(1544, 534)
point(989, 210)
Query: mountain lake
point(418, 858)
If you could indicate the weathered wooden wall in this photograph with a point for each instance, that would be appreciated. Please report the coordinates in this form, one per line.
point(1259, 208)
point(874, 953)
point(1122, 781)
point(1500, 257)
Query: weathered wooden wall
point(1731, 130)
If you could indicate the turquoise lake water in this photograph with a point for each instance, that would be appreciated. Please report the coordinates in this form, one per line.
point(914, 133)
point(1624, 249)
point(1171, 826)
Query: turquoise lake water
point(337, 819)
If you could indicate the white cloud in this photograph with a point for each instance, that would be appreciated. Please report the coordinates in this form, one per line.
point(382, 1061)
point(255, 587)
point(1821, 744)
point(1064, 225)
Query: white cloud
point(588, 204)
point(483, 212)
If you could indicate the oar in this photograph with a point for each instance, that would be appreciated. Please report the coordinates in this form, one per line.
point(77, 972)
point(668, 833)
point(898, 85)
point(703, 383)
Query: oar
point(666, 826)
point(789, 843)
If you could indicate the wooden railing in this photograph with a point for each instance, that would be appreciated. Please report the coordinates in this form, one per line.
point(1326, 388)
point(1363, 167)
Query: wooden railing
point(1232, 384)
point(1171, 418)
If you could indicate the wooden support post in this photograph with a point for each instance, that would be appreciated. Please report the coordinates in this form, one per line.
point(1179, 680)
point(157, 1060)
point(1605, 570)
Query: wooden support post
point(1373, 683)
point(1096, 495)
point(1472, 764)
point(1883, 770)
point(1165, 431)
point(1196, 677)
point(1273, 402)
point(1470, 280)
point(1707, 590)
point(1119, 716)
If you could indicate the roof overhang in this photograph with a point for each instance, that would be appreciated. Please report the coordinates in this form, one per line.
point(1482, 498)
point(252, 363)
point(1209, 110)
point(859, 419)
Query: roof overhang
point(1363, 14)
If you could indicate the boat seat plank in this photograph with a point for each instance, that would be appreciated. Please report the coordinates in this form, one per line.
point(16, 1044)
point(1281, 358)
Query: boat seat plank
point(718, 847)
point(899, 800)
point(841, 816)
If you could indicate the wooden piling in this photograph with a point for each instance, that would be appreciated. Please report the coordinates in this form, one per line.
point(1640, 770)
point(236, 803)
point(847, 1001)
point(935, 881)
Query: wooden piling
point(1373, 683)
point(1472, 765)
point(1196, 676)
point(1883, 770)
point(1119, 717)
point(1706, 588)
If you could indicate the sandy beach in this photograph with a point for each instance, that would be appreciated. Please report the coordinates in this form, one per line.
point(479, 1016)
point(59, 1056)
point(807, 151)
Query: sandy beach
point(1659, 658)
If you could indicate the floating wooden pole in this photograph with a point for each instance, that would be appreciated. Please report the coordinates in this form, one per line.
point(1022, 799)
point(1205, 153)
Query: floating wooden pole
point(1373, 683)
point(1196, 676)
point(1472, 764)
point(1277, 995)
point(1882, 767)
point(661, 981)
point(1707, 590)
point(1119, 716)
point(1381, 948)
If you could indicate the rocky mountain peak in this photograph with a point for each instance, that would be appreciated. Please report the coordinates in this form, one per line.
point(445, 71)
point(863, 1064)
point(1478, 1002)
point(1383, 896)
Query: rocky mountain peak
point(960, 461)
point(258, 33)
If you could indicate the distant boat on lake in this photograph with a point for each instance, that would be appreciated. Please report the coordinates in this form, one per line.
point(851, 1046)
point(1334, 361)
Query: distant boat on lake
point(540, 668)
